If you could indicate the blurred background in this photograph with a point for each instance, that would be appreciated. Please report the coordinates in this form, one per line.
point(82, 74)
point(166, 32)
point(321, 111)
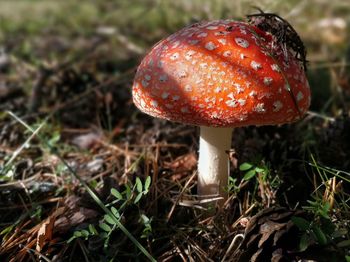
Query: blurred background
point(117, 33)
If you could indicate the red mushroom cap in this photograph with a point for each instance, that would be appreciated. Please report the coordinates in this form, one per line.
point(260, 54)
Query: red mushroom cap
point(221, 73)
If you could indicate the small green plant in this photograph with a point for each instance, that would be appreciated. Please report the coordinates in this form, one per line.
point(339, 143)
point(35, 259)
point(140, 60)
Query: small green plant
point(147, 223)
point(232, 185)
point(266, 182)
point(318, 207)
point(260, 171)
point(130, 196)
point(55, 151)
point(84, 233)
point(251, 170)
point(323, 227)
point(319, 229)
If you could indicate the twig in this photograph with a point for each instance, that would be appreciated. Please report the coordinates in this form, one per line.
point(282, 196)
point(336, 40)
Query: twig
point(232, 244)
point(19, 150)
point(180, 195)
point(243, 215)
point(40, 255)
point(324, 117)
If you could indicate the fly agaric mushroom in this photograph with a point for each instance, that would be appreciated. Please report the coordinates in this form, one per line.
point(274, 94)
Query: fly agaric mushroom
point(219, 75)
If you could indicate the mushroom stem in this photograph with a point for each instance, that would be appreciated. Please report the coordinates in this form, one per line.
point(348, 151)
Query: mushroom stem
point(213, 163)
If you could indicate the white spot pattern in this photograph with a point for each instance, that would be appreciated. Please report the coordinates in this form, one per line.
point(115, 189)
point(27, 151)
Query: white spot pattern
point(241, 102)
point(212, 27)
point(163, 78)
point(253, 94)
point(260, 108)
point(222, 41)
point(189, 54)
point(238, 87)
point(300, 96)
point(231, 103)
point(255, 65)
point(275, 67)
point(210, 79)
point(176, 44)
point(221, 33)
point(218, 89)
point(267, 81)
point(241, 42)
point(154, 103)
point(193, 42)
point(165, 95)
point(174, 56)
point(210, 46)
point(277, 106)
point(182, 74)
point(188, 88)
point(227, 53)
point(203, 35)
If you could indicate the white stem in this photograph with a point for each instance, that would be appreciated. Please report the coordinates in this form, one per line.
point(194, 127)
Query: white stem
point(213, 163)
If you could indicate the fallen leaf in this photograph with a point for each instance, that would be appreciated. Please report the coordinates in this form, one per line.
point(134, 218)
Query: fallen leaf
point(44, 233)
point(182, 164)
point(95, 165)
point(87, 141)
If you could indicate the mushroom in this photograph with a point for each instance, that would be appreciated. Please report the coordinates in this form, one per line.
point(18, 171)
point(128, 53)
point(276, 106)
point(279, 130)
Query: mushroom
point(219, 75)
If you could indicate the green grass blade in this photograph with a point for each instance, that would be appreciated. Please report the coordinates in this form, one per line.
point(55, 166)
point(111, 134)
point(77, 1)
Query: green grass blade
point(19, 150)
point(88, 189)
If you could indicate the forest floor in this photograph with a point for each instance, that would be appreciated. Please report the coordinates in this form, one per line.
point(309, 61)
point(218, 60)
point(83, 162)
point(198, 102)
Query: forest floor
point(85, 176)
